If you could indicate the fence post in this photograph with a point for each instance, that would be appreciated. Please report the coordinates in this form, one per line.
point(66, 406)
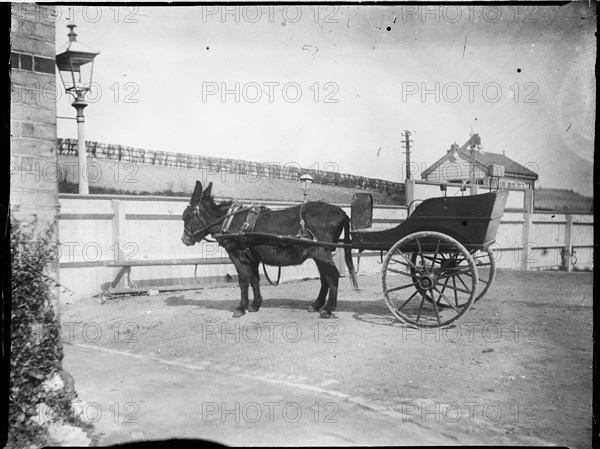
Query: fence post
point(528, 201)
point(569, 241)
point(527, 223)
point(118, 236)
point(118, 229)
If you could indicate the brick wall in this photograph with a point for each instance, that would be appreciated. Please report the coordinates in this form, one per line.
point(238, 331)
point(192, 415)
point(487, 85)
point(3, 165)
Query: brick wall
point(34, 187)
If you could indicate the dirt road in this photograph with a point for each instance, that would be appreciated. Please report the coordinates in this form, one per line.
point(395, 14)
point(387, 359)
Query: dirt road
point(517, 369)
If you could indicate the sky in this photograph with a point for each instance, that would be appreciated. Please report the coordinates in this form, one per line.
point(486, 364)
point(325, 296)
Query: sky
point(335, 87)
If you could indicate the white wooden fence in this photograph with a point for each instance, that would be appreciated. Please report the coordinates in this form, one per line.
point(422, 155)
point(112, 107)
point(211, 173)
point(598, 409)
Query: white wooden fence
point(99, 229)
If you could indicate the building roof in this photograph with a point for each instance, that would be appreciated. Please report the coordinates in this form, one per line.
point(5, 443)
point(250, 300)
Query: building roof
point(510, 167)
point(484, 159)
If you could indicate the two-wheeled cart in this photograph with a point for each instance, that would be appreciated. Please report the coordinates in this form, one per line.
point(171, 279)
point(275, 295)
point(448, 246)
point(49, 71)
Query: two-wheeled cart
point(437, 262)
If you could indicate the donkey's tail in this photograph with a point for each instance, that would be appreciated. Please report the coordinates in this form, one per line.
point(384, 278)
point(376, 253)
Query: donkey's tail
point(348, 254)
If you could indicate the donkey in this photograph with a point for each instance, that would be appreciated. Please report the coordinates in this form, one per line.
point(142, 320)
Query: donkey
point(317, 219)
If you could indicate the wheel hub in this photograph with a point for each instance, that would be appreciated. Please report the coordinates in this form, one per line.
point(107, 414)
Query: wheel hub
point(427, 281)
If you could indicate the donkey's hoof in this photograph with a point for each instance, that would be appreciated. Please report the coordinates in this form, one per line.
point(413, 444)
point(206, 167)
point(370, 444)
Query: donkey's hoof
point(238, 313)
point(312, 308)
point(326, 314)
point(253, 308)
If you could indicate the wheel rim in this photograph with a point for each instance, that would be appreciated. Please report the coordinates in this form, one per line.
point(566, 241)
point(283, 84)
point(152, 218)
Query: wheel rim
point(429, 280)
point(486, 270)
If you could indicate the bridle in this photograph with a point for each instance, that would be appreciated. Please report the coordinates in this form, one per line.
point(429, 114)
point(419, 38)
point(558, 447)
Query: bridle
point(196, 212)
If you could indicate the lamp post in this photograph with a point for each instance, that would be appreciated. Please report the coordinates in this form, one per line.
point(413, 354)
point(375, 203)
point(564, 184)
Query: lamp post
point(76, 61)
point(306, 182)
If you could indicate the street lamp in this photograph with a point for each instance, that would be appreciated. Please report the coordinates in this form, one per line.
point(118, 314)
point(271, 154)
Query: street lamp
point(306, 182)
point(73, 61)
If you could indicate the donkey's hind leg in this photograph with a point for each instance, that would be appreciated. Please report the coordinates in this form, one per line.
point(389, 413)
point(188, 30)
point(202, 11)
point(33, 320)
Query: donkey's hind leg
point(255, 283)
point(329, 271)
point(320, 301)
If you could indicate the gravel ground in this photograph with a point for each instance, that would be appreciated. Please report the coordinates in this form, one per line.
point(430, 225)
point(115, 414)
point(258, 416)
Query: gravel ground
point(517, 369)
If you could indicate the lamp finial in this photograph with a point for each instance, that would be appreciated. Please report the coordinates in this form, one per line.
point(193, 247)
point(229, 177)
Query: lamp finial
point(72, 34)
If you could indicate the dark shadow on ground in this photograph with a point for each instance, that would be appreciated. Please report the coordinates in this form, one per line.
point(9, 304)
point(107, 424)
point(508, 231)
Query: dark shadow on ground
point(358, 308)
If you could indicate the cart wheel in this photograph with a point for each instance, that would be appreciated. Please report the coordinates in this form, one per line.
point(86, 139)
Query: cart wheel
point(486, 270)
point(429, 279)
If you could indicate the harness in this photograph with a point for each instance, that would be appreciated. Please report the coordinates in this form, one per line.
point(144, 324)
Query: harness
point(228, 216)
point(252, 213)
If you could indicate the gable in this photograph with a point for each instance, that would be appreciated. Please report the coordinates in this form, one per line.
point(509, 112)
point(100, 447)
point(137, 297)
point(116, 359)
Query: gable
point(448, 170)
point(436, 165)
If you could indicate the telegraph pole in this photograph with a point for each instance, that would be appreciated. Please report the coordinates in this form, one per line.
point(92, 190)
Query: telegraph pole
point(406, 145)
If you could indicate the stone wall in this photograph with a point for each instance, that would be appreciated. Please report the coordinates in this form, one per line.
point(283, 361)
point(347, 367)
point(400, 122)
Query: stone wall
point(34, 186)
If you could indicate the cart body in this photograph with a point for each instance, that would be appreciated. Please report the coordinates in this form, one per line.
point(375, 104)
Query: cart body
point(472, 220)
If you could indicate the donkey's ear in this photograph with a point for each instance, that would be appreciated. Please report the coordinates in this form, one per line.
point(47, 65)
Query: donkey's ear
point(197, 192)
point(206, 193)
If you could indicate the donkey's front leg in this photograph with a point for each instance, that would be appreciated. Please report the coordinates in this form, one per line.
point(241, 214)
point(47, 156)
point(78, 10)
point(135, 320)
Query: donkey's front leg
point(244, 275)
point(255, 283)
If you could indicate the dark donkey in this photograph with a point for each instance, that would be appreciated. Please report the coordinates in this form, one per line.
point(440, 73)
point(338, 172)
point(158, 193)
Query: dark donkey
point(324, 221)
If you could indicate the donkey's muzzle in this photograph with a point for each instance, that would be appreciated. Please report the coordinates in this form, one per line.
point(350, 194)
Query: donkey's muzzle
point(187, 240)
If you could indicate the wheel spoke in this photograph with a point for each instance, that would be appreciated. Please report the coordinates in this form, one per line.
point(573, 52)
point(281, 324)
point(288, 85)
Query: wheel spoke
point(400, 272)
point(412, 265)
point(437, 248)
point(443, 289)
point(458, 289)
point(400, 288)
point(421, 306)
point(455, 273)
point(437, 313)
point(447, 300)
point(407, 301)
point(462, 282)
point(455, 294)
point(422, 258)
point(401, 263)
